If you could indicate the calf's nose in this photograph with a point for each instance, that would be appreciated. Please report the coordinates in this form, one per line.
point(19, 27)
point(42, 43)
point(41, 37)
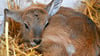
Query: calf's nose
point(37, 41)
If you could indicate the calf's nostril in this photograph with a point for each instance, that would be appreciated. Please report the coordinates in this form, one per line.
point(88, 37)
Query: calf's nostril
point(37, 41)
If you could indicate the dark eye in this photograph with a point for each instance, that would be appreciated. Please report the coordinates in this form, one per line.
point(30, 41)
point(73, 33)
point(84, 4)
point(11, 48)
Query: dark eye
point(46, 23)
point(36, 15)
point(26, 26)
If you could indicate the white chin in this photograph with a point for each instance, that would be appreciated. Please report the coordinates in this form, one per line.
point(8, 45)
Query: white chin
point(33, 44)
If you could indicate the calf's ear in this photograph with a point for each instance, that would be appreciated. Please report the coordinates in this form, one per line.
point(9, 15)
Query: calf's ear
point(54, 7)
point(15, 15)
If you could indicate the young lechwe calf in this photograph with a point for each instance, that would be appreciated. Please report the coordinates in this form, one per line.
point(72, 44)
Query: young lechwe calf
point(58, 30)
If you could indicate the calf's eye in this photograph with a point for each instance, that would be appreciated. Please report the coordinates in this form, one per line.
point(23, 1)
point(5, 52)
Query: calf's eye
point(26, 26)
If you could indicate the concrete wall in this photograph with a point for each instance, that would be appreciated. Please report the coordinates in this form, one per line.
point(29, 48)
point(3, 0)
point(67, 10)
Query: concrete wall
point(66, 3)
point(3, 4)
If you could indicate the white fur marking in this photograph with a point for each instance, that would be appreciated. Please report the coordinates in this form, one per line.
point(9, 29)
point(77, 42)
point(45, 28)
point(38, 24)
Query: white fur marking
point(70, 49)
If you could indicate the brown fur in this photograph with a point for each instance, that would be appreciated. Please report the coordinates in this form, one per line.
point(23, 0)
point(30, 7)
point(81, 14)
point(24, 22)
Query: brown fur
point(74, 30)
point(67, 27)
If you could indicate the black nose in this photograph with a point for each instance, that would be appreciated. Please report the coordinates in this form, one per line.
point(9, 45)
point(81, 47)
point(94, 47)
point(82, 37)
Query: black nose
point(37, 41)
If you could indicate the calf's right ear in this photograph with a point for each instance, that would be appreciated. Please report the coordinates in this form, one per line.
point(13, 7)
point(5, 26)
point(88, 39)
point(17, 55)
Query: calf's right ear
point(15, 15)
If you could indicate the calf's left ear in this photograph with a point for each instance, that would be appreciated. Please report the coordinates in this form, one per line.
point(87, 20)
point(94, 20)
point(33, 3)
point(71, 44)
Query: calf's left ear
point(54, 7)
point(15, 15)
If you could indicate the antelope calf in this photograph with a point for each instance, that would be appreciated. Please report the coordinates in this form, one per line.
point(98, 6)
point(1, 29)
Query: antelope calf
point(58, 30)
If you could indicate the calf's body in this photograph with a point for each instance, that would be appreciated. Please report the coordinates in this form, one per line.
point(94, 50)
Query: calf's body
point(67, 29)
point(58, 30)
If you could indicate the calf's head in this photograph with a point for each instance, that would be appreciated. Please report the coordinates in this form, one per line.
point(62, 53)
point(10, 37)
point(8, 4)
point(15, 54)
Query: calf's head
point(34, 20)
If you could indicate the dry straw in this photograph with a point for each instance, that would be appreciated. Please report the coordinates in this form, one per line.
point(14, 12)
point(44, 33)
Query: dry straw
point(6, 36)
point(92, 9)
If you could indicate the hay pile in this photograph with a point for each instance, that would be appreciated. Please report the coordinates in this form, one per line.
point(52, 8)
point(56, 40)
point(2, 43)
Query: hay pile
point(92, 9)
point(12, 45)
